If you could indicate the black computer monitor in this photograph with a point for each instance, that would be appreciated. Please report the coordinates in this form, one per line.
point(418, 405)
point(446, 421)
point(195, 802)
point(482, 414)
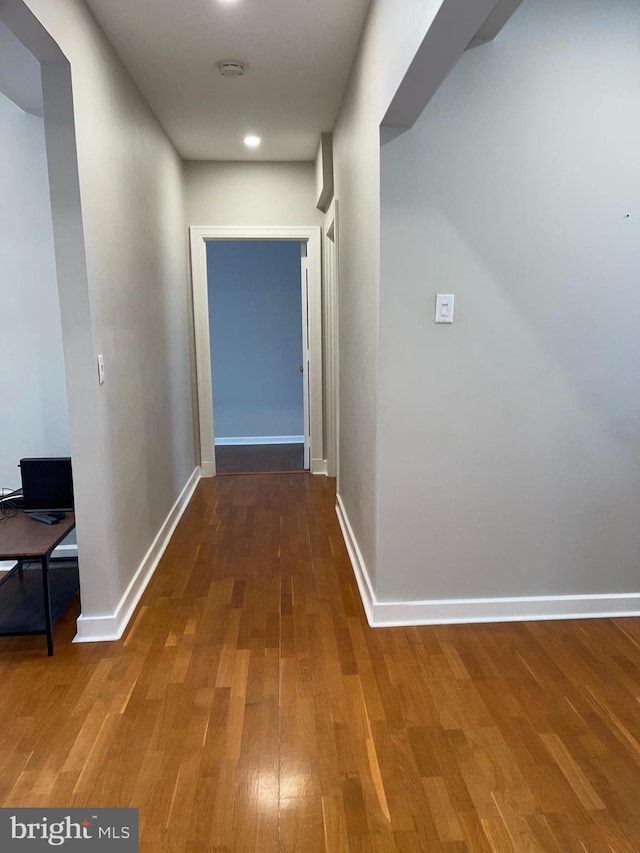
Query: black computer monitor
point(47, 484)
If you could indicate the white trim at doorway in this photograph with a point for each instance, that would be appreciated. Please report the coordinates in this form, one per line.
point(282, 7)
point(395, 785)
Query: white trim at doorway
point(199, 236)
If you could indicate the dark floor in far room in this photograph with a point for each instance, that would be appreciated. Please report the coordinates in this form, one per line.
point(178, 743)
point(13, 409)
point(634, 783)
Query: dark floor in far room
point(259, 458)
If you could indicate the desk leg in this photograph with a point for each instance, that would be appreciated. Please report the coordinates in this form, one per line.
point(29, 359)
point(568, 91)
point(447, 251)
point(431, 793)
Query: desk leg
point(47, 603)
point(20, 570)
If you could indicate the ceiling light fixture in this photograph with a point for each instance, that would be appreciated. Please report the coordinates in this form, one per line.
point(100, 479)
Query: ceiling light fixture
point(252, 141)
point(231, 68)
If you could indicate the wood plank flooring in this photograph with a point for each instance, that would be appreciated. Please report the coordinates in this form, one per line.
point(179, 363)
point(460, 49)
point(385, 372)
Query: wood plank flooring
point(259, 458)
point(251, 708)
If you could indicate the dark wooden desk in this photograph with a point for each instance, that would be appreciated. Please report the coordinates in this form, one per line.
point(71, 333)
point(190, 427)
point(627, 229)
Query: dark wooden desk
point(28, 541)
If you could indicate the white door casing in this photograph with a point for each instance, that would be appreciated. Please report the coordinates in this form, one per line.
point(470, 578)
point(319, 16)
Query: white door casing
point(306, 358)
point(199, 236)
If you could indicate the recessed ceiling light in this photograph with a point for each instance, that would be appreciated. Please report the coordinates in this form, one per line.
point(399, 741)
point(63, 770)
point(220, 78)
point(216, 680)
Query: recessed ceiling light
point(227, 2)
point(252, 141)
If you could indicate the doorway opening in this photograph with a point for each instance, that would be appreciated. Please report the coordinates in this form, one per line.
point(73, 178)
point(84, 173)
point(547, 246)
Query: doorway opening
point(307, 242)
point(258, 333)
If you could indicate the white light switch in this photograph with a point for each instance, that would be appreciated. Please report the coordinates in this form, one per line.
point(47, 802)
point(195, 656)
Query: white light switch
point(100, 370)
point(444, 307)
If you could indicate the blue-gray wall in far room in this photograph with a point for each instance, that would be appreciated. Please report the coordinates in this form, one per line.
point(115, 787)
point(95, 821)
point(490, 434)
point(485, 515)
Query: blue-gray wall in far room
point(255, 324)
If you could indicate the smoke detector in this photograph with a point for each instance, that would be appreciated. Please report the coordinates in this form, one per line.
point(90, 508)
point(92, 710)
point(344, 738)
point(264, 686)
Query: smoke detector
point(231, 68)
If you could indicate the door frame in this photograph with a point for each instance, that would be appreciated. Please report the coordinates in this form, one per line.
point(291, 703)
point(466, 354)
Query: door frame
point(304, 368)
point(199, 236)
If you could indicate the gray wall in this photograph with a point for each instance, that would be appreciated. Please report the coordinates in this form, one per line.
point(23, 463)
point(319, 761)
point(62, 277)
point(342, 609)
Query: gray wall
point(20, 74)
point(33, 398)
point(509, 443)
point(250, 194)
point(256, 338)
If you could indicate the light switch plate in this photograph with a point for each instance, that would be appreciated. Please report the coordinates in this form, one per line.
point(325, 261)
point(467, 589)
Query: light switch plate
point(444, 307)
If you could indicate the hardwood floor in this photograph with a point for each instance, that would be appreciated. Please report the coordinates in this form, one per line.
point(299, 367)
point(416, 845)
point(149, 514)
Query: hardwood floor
point(259, 458)
point(251, 708)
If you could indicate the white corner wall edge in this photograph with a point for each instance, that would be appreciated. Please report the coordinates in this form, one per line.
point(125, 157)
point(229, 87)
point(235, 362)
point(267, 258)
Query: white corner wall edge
point(388, 614)
point(97, 629)
point(259, 439)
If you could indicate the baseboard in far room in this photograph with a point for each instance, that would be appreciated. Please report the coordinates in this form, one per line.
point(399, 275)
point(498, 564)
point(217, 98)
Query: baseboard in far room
point(386, 614)
point(65, 551)
point(93, 629)
point(62, 551)
point(244, 440)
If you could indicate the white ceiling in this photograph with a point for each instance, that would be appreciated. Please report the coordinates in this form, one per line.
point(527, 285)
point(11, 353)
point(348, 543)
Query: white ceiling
point(298, 55)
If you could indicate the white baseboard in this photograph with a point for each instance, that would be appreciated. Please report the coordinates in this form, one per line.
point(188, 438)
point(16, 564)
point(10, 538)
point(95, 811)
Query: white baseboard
point(319, 466)
point(359, 568)
point(259, 439)
point(207, 469)
point(92, 629)
point(521, 609)
point(381, 614)
point(66, 551)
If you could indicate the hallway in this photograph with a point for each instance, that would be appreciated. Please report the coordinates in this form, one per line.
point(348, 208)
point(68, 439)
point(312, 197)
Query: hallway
point(250, 707)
